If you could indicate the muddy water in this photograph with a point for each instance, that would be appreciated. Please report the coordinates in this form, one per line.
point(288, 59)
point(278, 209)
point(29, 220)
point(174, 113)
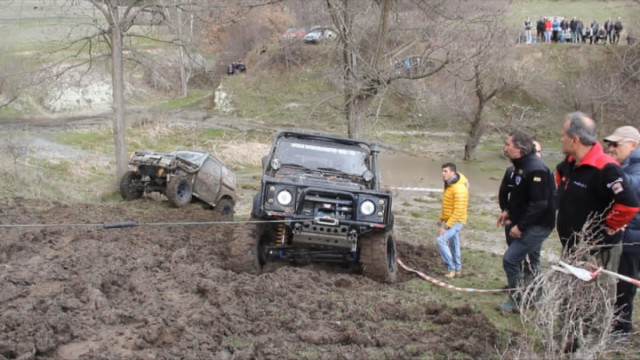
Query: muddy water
point(402, 170)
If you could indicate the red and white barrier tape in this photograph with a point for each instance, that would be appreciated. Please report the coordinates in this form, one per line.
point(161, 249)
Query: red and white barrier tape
point(444, 284)
point(414, 189)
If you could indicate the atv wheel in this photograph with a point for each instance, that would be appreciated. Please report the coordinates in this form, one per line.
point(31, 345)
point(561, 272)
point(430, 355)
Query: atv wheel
point(128, 186)
point(225, 207)
point(378, 256)
point(179, 190)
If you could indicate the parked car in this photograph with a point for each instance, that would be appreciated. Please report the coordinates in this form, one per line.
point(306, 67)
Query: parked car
point(318, 34)
point(181, 176)
point(293, 33)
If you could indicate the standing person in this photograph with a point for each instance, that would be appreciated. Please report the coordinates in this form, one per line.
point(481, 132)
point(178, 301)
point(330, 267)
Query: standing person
point(555, 37)
point(579, 30)
point(564, 30)
point(529, 216)
point(452, 218)
point(547, 30)
point(608, 27)
point(527, 30)
point(573, 27)
point(540, 30)
point(532, 264)
point(595, 202)
point(623, 147)
point(617, 29)
point(595, 27)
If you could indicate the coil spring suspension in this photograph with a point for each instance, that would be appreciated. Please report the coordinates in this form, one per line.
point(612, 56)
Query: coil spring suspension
point(281, 235)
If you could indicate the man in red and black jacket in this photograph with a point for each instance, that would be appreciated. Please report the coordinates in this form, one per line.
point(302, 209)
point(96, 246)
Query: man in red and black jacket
point(590, 184)
point(595, 203)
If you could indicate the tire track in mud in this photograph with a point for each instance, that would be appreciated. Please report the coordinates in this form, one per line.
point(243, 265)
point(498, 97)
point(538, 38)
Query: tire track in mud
point(162, 292)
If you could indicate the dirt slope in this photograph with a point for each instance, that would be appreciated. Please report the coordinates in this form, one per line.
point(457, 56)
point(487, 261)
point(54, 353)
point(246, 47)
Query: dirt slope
point(158, 291)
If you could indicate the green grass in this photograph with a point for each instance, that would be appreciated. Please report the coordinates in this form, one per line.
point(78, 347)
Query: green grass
point(194, 100)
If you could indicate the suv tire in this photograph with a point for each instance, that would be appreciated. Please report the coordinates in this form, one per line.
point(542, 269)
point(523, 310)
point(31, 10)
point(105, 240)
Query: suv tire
point(128, 187)
point(179, 190)
point(378, 256)
point(225, 208)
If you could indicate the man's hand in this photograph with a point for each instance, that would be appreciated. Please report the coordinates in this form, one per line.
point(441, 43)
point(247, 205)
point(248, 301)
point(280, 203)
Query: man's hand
point(442, 231)
point(612, 232)
point(503, 219)
point(515, 232)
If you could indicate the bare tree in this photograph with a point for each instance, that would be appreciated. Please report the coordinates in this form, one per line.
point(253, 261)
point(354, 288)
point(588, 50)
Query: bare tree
point(115, 20)
point(369, 43)
point(481, 72)
point(608, 88)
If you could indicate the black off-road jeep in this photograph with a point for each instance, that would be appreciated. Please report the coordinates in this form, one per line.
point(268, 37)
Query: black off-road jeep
point(181, 176)
point(319, 200)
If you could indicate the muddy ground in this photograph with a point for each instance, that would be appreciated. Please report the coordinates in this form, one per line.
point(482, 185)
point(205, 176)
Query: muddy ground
point(159, 290)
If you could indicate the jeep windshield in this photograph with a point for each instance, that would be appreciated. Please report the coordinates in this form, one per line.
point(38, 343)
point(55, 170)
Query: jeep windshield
point(323, 156)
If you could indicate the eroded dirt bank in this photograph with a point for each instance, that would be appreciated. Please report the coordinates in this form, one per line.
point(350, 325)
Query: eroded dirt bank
point(159, 292)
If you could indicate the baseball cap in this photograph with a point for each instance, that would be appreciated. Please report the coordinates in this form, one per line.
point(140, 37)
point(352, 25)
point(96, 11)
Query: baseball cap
point(624, 133)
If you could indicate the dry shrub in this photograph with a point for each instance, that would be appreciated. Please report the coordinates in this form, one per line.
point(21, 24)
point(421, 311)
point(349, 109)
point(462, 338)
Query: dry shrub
point(571, 318)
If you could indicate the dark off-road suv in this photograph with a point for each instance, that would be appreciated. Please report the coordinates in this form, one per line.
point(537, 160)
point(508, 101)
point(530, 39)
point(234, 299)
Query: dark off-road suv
point(181, 176)
point(319, 200)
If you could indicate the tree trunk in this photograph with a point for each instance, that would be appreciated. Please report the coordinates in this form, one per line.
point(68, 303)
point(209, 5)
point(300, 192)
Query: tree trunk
point(119, 130)
point(475, 131)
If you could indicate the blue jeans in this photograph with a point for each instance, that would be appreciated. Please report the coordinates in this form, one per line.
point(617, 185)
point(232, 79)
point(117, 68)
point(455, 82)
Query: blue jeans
point(530, 243)
point(449, 247)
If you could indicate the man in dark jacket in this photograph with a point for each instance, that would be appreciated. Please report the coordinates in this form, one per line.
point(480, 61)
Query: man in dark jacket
point(540, 31)
point(623, 147)
point(531, 265)
point(529, 215)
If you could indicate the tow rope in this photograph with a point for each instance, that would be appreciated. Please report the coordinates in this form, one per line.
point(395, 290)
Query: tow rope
point(447, 285)
point(415, 189)
point(586, 275)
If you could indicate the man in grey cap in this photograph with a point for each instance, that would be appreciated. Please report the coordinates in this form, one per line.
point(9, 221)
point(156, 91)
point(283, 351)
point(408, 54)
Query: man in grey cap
point(623, 147)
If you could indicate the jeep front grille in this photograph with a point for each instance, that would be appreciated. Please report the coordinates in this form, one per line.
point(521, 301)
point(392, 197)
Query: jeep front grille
point(318, 204)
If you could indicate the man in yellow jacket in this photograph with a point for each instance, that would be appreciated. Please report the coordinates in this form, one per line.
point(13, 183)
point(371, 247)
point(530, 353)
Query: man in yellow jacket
point(453, 216)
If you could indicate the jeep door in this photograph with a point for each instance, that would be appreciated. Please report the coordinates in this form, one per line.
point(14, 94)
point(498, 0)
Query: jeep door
point(207, 182)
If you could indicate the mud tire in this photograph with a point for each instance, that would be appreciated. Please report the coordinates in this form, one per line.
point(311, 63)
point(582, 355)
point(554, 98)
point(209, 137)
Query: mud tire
point(179, 190)
point(245, 252)
point(242, 253)
point(225, 208)
point(128, 188)
point(378, 257)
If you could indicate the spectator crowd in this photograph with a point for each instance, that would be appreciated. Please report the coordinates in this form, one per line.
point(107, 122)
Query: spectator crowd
point(575, 30)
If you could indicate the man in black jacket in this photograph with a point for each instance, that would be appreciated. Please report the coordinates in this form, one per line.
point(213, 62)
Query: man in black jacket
point(531, 265)
point(529, 216)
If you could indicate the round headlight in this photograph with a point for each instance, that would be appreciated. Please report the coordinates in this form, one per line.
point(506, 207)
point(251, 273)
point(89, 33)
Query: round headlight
point(367, 176)
point(284, 197)
point(367, 207)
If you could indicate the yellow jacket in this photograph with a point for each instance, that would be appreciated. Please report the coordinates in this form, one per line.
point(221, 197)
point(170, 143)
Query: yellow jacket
point(454, 202)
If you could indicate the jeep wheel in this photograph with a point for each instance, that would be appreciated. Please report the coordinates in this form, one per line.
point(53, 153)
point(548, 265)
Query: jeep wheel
point(128, 186)
point(246, 251)
point(242, 254)
point(225, 208)
point(179, 190)
point(378, 256)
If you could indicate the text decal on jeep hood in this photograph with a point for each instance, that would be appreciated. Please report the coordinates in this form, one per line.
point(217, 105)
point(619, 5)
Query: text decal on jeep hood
point(325, 149)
